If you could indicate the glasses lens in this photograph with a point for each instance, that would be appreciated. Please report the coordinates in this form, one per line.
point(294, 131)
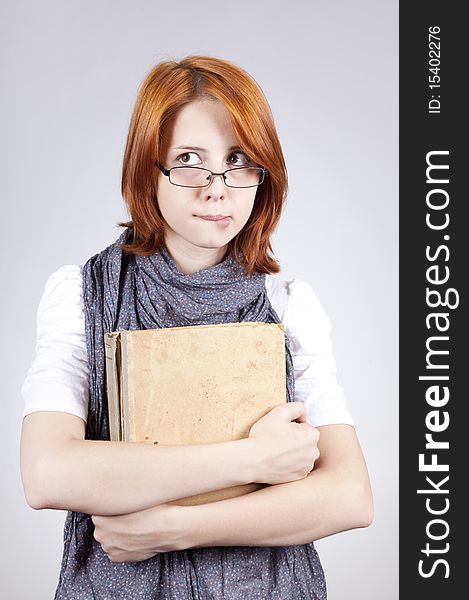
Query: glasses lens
point(197, 177)
point(189, 176)
point(244, 177)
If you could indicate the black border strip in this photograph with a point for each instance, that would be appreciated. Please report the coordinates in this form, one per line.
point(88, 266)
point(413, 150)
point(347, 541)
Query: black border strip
point(433, 258)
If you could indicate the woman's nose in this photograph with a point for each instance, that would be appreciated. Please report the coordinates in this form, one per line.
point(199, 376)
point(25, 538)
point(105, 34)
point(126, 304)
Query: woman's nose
point(217, 186)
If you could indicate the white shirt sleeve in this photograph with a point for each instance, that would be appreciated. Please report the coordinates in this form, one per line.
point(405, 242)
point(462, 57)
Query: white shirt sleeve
point(58, 377)
point(316, 385)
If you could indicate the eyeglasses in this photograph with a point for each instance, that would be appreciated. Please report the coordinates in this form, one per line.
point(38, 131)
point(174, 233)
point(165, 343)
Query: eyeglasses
point(196, 177)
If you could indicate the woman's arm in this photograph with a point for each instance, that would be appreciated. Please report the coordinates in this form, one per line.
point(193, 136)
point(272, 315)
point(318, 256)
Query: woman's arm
point(336, 496)
point(61, 470)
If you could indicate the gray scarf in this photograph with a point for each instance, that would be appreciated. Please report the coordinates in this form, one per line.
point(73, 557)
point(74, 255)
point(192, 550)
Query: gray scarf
point(134, 292)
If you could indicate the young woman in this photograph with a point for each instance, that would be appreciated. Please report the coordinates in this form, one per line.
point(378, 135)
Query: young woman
point(205, 181)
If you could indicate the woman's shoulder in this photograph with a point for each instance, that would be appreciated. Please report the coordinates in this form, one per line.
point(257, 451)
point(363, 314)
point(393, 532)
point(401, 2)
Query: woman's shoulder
point(62, 289)
point(288, 287)
point(65, 273)
point(294, 301)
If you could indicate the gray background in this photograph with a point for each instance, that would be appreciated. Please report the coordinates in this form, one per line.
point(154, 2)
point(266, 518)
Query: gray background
point(70, 72)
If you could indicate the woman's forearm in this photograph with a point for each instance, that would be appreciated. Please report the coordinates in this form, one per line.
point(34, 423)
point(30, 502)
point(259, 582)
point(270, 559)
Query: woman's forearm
point(109, 478)
point(147, 475)
point(336, 496)
point(291, 513)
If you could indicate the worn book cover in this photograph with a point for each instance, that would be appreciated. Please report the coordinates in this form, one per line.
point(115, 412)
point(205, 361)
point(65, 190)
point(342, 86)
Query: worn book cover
point(194, 385)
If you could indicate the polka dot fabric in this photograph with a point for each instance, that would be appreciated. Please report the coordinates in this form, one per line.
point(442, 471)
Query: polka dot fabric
point(134, 292)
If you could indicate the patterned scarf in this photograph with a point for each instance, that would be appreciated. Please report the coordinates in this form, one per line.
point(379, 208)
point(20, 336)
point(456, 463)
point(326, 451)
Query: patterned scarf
point(134, 292)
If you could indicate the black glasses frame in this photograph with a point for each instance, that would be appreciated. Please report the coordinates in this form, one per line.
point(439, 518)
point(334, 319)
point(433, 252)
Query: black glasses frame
point(167, 172)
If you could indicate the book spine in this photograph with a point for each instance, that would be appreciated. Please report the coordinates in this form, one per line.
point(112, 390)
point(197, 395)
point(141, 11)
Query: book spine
point(124, 387)
point(111, 345)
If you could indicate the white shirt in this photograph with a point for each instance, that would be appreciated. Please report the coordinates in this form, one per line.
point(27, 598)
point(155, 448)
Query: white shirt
point(58, 377)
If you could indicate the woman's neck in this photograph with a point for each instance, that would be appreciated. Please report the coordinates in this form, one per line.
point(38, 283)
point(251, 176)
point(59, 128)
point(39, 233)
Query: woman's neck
point(190, 259)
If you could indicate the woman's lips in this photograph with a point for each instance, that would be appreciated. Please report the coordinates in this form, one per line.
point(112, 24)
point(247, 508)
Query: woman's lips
point(217, 219)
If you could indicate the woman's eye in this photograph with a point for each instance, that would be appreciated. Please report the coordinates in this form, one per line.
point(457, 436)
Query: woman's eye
point(244, 159)
point(235, 159)
point(183, 158)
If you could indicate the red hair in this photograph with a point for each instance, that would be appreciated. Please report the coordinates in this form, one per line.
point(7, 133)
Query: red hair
point(168, 87)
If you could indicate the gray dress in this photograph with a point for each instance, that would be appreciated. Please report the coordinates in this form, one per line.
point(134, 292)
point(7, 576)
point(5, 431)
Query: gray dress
point(219, 573)
point(127, 292)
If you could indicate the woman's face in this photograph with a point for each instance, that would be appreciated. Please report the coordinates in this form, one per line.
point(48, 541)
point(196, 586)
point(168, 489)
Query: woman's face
point(202, 136)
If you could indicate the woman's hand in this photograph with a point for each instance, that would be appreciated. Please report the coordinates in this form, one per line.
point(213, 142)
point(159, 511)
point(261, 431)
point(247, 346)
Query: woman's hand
point(286, 450)
point(140, 535)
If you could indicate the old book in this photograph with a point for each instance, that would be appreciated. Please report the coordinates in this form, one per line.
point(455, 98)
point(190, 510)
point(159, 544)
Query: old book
point(194, 385)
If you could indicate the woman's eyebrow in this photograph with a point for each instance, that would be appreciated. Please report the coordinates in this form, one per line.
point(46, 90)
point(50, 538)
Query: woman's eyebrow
point(202, 149)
